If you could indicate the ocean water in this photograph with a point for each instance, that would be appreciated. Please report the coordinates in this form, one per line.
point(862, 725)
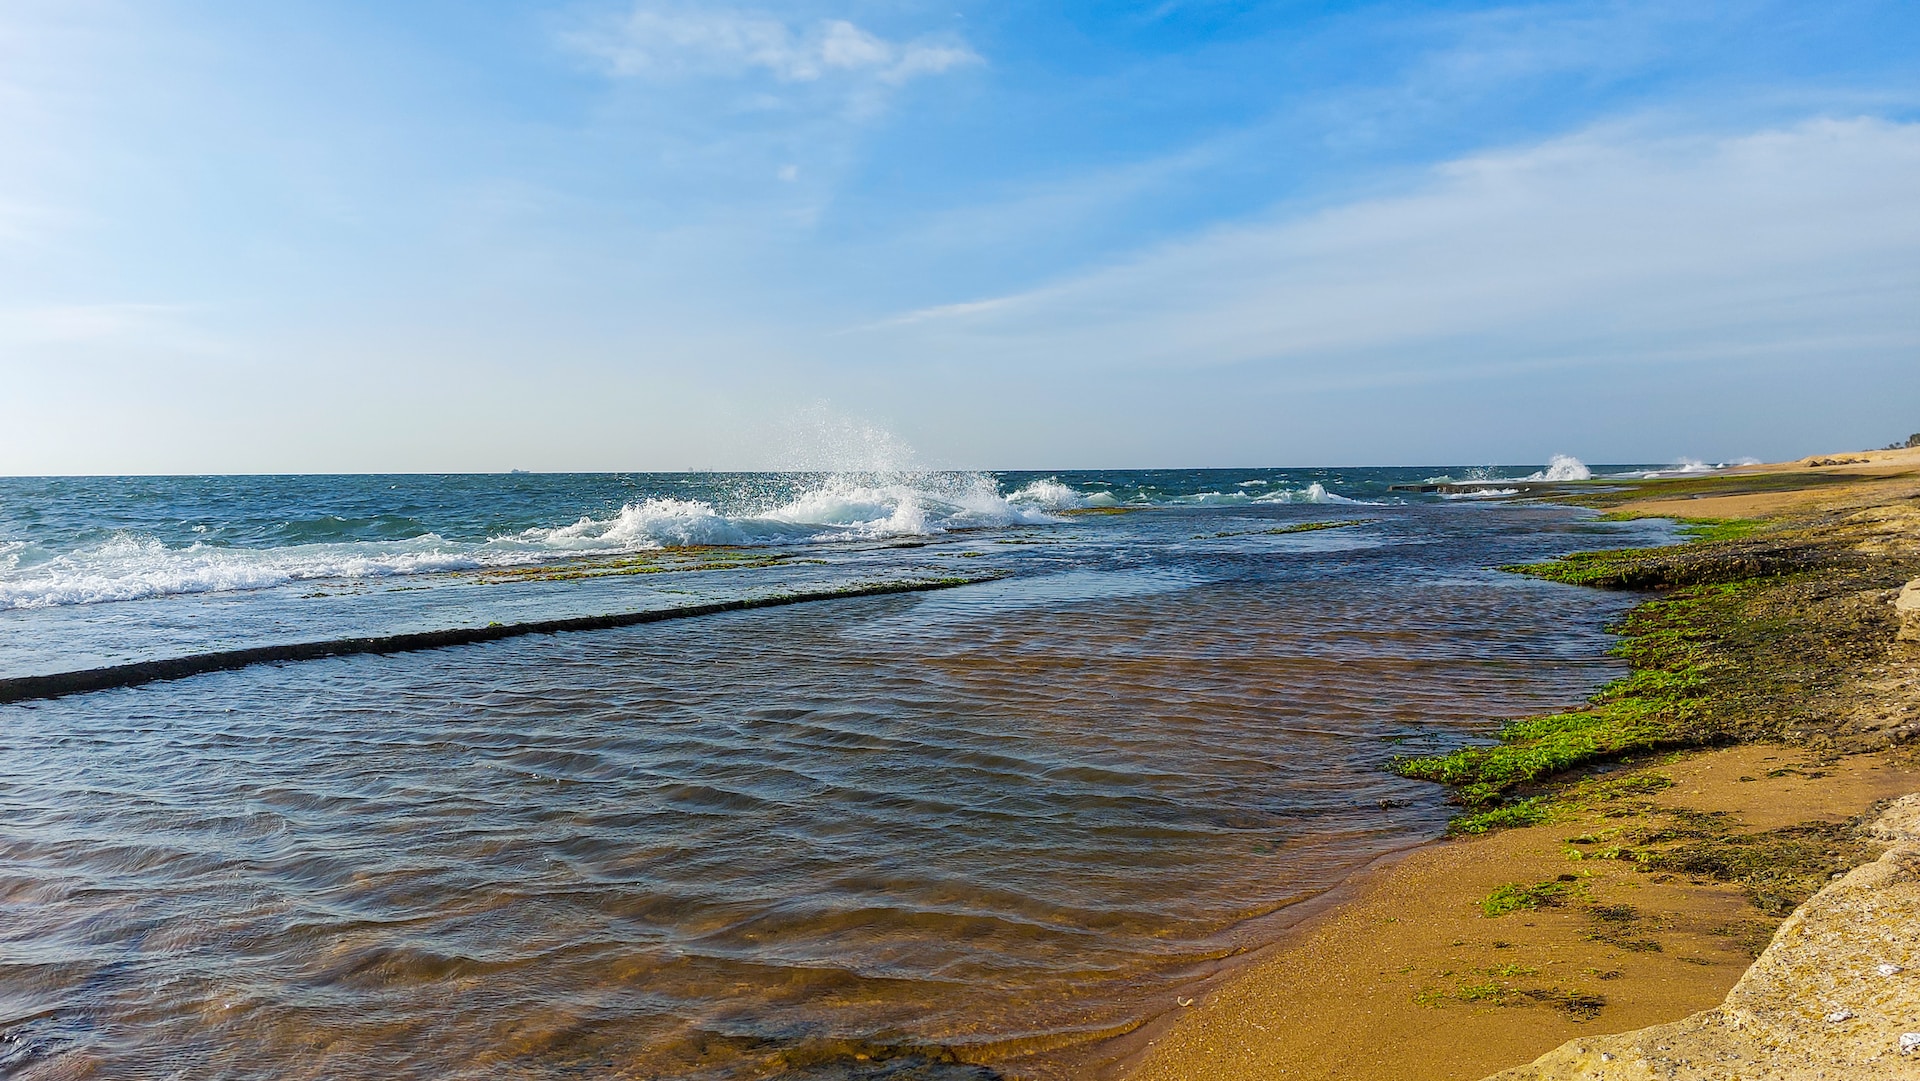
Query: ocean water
point(984, 828)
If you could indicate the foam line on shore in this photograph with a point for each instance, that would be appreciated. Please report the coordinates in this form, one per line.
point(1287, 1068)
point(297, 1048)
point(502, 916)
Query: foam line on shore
point(82, 681)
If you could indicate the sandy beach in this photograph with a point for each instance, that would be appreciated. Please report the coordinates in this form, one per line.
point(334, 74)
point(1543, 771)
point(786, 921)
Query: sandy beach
point(1479, 953)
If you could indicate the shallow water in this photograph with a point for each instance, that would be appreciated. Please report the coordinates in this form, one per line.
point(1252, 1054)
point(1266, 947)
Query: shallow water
point(995, 820)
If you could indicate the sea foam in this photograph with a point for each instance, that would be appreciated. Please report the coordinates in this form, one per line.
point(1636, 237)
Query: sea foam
point(1562, 467)
point(828, 508)
point(131, 566)
point(1312, 493)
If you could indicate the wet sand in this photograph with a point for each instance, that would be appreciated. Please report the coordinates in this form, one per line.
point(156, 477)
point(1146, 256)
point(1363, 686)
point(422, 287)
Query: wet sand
point(1410, 978)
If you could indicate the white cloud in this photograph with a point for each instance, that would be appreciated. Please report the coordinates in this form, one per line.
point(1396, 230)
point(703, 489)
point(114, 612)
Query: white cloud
point(72, 324)
point(670, 43)
point(1615, 245)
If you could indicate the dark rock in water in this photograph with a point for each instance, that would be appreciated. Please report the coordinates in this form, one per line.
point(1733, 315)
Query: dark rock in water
point(907, 1067)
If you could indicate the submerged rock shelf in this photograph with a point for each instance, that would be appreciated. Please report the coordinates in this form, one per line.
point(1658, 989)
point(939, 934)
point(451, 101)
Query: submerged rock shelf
point(26, 688)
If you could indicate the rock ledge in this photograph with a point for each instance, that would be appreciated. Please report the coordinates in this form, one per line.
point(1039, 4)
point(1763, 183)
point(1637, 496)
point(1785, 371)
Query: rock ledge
point(1835, 996)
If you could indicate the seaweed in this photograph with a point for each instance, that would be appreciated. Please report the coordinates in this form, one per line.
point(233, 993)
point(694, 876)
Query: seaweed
point(1297, 527)
point(1752, 632)
point(1493, 987)
point(1516, 897)
point(1777, 869)
point(1526, 812)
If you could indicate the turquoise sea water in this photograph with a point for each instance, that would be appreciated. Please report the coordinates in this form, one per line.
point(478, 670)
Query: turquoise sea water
point(992, 824)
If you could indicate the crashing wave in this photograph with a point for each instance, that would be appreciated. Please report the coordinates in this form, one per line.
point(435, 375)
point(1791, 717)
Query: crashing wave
point(835, 507)
point(1312, 493)
point(1481, 493)
point(132, 566)
point(129, 567)
point(1562, 467)
point(1685, 467)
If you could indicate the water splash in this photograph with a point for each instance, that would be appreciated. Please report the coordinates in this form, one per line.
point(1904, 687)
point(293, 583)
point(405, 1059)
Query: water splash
point(1562, 467)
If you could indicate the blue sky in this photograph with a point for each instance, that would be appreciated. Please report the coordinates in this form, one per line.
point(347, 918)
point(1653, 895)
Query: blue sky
point(241, 237)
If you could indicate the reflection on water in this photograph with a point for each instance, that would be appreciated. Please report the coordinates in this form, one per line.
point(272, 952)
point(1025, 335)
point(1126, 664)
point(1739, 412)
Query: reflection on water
point(987, 824)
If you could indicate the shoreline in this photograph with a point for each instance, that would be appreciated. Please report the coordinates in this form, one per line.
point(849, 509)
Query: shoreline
point(1403, 975)
point(1411, 976)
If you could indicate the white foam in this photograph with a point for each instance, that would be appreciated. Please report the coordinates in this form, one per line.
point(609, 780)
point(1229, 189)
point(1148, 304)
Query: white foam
point(1312, 493)
point(1050, 494)
point(1475, 475)
point(1315, 492)
point(1211, 499)
point(652, 523)
point(1685, 467)
point(909, 505)
point(1481, 493)
point(839, 507)
point(1563, 467)
point(131, 566)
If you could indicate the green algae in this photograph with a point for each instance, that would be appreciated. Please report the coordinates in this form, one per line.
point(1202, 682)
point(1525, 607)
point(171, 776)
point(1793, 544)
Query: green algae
point(1749, 634)
point(1709, 530)
point(1624, 490)
point(1518, 897)
point(1298, 527)
point(1526, 812)
point(1650, 709)
point(663, 561)
point(1777, 869)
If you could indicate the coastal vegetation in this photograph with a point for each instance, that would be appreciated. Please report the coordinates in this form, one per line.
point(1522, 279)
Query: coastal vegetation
point(1513, 897)
point(1755, 630)
point(1297, 527)
point(657, 561)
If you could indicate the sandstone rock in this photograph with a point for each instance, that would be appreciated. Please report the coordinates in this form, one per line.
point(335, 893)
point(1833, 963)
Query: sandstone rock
point(1857, 941)
point(1908, 606)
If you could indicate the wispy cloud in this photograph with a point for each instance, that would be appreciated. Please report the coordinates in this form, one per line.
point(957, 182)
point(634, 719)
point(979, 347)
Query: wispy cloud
point(135, 324)
point(655, 42)
point(938, 312)
point(1614, 245)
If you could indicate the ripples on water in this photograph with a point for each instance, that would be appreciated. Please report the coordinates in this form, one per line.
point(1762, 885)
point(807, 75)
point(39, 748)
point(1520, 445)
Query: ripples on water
point(1002, 821)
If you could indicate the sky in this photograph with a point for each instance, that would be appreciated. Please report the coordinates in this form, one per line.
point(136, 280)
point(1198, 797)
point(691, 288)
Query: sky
point(356, 235)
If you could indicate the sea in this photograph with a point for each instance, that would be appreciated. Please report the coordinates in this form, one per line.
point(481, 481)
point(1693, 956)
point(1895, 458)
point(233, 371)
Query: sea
point(983, 830)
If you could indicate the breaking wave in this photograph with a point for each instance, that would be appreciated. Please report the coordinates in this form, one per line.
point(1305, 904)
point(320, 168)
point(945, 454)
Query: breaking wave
point(1560, 467)
point(1312, 493)
point(849, 507)
point(1686, 467)
point(1488, 492)
point(131, 566)
point(1563, 467)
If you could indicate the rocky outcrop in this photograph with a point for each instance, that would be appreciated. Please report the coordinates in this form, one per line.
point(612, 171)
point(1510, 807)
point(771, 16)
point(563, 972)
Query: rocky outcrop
point(1834, 997)
point(1907, 604)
